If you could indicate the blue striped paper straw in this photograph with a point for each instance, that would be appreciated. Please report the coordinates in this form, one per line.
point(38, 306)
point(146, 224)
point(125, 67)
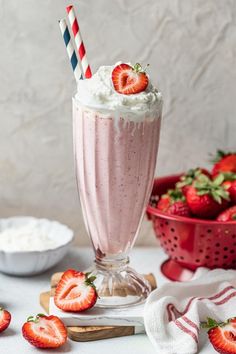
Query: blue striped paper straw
point(70, 49)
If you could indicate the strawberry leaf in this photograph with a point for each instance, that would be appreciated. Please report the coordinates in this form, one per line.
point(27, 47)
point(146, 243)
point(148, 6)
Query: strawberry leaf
point(175, 195)
point(188, 178)
point(229, 176)
point(216, 197)
point(218, 180)
point(30, 319)
point(35, 319)
point(91, 279)
point(210, 323)
point(203, 179)
point(202, 192)
point(204, 185)
point(223, 193)
point(139, 69)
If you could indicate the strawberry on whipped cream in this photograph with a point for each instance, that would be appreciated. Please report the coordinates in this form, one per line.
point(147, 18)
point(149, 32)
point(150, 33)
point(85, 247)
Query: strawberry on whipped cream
point(99, 92)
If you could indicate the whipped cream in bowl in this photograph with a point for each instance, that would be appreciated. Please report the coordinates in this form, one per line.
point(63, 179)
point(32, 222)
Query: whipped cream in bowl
point(30, 246)
point(98, 92)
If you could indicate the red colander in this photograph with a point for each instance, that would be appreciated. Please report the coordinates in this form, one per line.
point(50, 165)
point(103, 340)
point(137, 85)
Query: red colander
point(190, 243)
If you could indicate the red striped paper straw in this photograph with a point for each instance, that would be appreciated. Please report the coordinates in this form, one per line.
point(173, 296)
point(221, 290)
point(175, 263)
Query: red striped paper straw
point(79, 42)
point(70, 49)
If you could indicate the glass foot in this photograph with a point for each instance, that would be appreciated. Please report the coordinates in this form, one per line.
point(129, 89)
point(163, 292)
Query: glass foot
point(118, 285)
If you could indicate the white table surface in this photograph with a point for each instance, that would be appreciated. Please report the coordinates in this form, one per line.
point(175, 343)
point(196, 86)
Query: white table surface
point(21, 297)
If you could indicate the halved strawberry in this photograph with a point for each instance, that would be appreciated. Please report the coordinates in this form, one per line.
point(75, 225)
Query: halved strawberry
point(224, 162)
point(129, 80)
point(222, 335)
point(44, 331)
point(75, 291)
point(5, 319)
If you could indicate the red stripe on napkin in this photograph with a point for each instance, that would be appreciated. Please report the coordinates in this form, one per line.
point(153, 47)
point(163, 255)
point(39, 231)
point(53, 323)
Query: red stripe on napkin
point(186, 330)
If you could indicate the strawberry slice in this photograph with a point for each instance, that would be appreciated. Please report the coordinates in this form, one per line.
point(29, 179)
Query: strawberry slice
point(222, 335)
point(75, 291)
point(129, 80)
point(5, 319)
point(44, 331)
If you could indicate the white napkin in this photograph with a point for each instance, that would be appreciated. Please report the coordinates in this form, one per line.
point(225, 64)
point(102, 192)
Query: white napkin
point(173, 313)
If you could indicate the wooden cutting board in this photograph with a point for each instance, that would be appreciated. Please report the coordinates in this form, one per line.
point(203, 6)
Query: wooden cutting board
point(90, 333)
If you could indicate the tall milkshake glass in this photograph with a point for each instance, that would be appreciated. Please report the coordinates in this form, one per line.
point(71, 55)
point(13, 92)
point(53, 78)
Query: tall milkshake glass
point(115, 152)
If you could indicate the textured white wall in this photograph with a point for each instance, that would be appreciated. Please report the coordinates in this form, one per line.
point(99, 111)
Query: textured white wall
point(191, 48)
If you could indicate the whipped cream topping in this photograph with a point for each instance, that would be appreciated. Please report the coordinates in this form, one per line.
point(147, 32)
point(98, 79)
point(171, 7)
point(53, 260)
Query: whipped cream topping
point(98, 92)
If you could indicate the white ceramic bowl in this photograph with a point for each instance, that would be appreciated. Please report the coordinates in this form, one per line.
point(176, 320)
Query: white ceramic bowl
point(22, 263)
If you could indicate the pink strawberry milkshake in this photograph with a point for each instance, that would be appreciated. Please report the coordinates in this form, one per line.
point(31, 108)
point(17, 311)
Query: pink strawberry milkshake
point(116, 140)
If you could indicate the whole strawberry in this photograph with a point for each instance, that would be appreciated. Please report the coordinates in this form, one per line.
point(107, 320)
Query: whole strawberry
point(207, 198)
point(228, 214)
point(75, 291)
point(224, 162)
point(222, 335)
point(188, 178)
point(44, 331)
point(230, 185)
point(179, 208)
point(174, 203)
